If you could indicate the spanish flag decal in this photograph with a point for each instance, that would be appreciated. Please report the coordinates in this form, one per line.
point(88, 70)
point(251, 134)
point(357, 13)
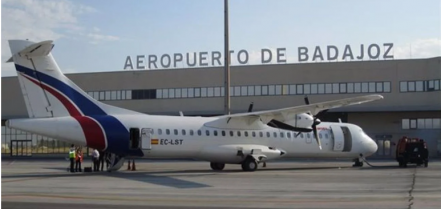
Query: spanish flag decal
point(154, 141)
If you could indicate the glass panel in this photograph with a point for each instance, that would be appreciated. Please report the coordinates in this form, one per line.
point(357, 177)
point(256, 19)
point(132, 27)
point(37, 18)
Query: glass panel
point(197, 92)
point(321, 88)
point(328, 88)
point(419, 86)
point(300, 89)
point(411, 86)
point(250, 90)
point(191, 132)
point(335, 88)
point(271, 90)
point(257, 90)
point(431, 85)
point(314, 89)
point(118, 95)
point(285, 89)
point(129, 94)
point(231, 133)
point(159, 93)
point(372, 87)
point(437, 85)
point(203, 92)
point(210, 91)
point(244, 91)
point(421, 124)
point(184, 93)
point(96, 95)
point(429, 123)
point(165, 93)
point(177, 93)
point(264, 90)
point(102, 97)
point(171, 93)
point(437, 123)
point(357, 87)
point(350, 88)
point(379, 87)
point(191, 92)
point(183, 132)
point(413, 123)
point(113, 96)
point(207, 132)
point(236, 91)
point(217, 91)
point(278, 89)
point(343, 88)
point(380, 144)
point(405, 124)
point(222, 91)
point(292, 89)
point(107, 95)
point(403, 86)
point(306, 88)
point(364, 87)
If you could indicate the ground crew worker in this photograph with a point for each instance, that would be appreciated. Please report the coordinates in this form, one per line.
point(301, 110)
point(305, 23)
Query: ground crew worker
point(101, 160)
point(72, 157)
point(95, 157)
point(78, 160)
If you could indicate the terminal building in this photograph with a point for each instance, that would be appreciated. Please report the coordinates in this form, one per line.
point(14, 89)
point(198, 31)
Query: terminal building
point(411, 88)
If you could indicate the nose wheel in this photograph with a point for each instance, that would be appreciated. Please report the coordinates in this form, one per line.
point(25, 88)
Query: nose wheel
point(357, 163)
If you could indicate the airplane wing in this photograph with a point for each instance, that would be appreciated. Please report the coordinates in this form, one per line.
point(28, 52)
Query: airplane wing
point(288, 113)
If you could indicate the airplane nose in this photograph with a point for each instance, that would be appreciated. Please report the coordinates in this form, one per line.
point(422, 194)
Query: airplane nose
point(370, 147)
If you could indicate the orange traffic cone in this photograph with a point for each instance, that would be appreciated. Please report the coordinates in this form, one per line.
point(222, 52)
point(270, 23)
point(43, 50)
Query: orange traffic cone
point(133, 167)
point(128, 167)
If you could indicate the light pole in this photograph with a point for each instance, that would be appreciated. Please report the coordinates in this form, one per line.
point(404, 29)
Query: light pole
point(226, 61)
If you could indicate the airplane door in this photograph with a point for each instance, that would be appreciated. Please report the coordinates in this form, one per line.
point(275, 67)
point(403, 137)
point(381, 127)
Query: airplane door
point(146, 134)
point(337, 134)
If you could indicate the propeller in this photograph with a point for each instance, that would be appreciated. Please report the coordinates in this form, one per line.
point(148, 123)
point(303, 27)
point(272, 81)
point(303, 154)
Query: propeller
point(316, 121)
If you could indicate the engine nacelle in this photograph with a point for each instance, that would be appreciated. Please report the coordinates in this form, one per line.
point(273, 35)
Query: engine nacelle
point(236, 153)
point(302, 121)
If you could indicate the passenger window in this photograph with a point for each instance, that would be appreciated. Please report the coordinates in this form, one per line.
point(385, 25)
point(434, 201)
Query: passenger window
point(207, 132)
point(268, 134)
point(191, 132)
point(176, 131)
point(223, 133)
point(167, 131)
point(159, 131)
point(301, 135)
point(254, 134)
point(238, 133)
point(260, 133)
point(215, 133)
point(326, 135)
point(246, 133)
point(183, 132)
point(282, 135)
point(275, 134)
point(231, 133)
point(289, 134)
point(320, 135)
point(199, 132)
point(308, 136)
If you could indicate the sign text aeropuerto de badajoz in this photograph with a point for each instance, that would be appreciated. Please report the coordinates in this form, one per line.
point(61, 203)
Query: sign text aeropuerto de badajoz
point(304, 54)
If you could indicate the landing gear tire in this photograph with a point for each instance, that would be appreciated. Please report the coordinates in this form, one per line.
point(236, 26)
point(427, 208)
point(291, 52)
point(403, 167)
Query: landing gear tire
point(217, 166)
point(250, 164)
point(357, 163)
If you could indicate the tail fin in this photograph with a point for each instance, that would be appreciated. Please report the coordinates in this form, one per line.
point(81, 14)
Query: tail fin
point(46, 90)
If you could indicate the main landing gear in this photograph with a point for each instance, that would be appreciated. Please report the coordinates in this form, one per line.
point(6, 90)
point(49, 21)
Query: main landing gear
point(217, 166)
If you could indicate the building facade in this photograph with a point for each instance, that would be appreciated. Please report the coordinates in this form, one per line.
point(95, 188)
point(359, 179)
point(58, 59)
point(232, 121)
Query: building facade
point(411, 89)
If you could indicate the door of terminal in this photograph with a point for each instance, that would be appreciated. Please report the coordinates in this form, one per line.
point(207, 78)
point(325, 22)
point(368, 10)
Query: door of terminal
point(21, 148)
point(384, 148)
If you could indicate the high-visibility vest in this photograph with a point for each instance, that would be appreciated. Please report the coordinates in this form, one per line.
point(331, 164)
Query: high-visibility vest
point(72, 154)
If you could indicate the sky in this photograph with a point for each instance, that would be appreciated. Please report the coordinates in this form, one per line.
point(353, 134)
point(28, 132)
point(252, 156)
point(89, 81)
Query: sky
point(97, 36)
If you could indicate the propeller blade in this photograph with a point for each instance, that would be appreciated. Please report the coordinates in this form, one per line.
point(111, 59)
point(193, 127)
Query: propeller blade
point(317, 137)
point(306, 100)
point(250, 108)
point(321, 113)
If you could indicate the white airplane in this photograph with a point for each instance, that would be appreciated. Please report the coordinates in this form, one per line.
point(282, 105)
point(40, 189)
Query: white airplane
point(60, 109)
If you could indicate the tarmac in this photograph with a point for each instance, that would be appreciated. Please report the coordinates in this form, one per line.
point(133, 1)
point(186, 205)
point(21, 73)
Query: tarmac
point(192, 184)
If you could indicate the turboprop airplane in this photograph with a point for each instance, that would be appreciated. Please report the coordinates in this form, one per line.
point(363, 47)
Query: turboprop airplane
point(59, 109)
